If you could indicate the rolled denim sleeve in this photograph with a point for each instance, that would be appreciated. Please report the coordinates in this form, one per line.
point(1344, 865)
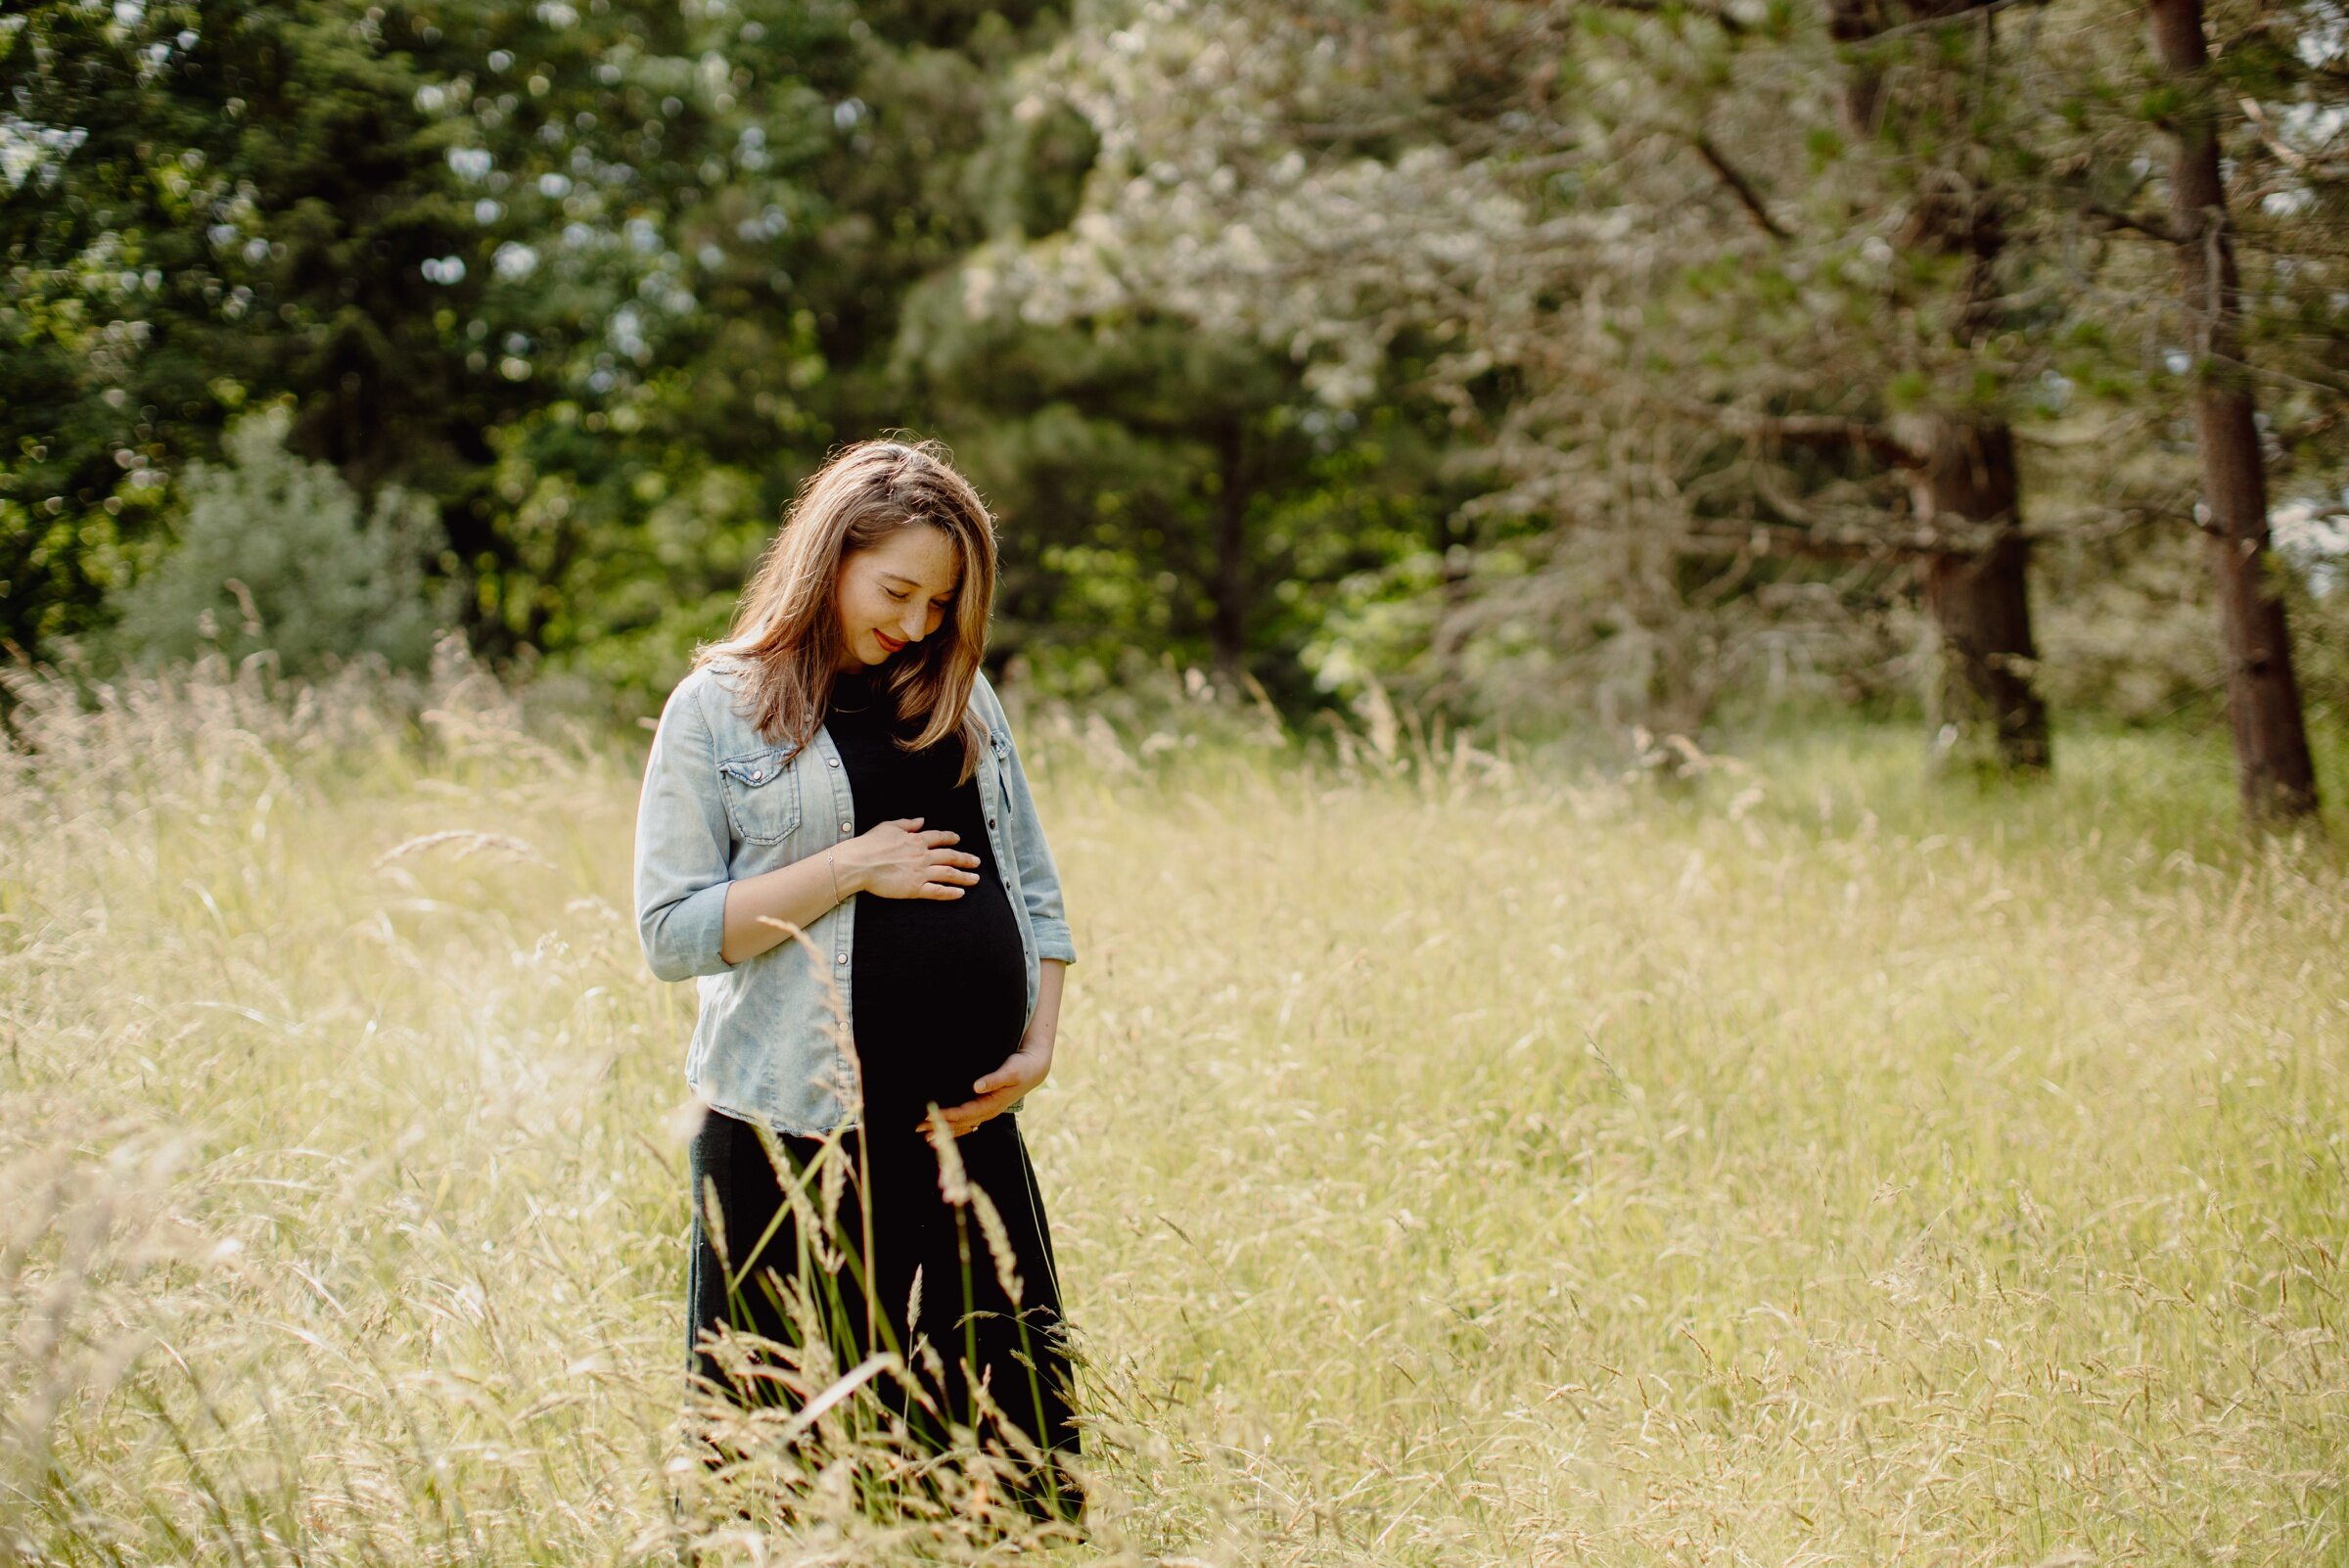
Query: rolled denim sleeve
point(1039, 878)
point(682, 846)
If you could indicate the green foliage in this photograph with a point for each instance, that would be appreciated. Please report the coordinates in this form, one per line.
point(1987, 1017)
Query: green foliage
point(606, 279)
point(2320, 622)
point(423, 221)
point(1165, 490)
point(278, 553)
point(1030, 179)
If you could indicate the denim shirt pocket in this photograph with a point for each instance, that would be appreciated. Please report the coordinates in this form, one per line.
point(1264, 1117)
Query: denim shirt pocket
point(762, 795)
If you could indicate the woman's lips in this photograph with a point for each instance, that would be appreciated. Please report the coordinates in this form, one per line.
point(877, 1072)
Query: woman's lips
point(886, 641)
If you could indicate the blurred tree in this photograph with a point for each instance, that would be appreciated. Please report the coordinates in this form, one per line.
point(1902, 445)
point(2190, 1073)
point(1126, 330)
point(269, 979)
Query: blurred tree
point(1850, 246)
point(423, 221)
point(659, 507)
point(1501, 175)
point(275, 553)
point(2277, 776)
point(1168, 490)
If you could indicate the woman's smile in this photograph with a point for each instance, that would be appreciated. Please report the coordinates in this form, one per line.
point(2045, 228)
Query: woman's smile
point(886, 641)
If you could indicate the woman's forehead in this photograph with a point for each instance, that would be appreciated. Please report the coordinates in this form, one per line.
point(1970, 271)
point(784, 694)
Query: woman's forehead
point(920, 555)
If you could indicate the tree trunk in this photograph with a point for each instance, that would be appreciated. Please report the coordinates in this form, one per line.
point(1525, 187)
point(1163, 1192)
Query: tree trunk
point(1849, 22)
point(2273, 768)
point(1986, 716)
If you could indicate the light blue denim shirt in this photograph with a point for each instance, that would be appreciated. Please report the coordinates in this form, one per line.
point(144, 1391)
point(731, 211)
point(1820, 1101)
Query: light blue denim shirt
point(720, 802)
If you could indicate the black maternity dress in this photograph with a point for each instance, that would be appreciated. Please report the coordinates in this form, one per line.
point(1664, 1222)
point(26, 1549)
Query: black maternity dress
point(938, 995)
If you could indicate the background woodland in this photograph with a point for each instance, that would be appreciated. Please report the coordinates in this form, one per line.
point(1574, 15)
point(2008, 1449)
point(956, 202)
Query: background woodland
point(1686, 365)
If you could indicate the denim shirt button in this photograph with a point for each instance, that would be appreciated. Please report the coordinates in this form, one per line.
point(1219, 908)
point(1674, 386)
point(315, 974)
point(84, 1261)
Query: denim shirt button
point(833, 762)
point(845, 827)
point(840, 957)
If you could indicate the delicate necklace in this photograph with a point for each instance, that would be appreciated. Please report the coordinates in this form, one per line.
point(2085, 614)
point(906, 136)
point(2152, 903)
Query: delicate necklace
point(859, 684)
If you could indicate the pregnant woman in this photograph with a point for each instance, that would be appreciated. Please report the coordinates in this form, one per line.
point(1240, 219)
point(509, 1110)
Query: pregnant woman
point(836, 839)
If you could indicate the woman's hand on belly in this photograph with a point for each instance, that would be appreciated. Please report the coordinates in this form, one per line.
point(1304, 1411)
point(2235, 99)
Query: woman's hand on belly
point(901, 860)
point(1021, 1071)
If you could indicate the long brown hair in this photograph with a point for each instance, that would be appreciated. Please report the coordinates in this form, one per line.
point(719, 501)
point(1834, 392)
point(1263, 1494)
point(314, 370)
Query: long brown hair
point(787, 630)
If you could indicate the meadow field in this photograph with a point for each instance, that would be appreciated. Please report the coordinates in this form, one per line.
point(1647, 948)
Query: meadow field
point(1454, 1158)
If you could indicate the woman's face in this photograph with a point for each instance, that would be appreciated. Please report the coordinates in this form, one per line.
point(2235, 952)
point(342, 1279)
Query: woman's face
point(897, 592)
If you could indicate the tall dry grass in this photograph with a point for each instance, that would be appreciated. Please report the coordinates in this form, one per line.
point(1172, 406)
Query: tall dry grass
point(1450, 1161)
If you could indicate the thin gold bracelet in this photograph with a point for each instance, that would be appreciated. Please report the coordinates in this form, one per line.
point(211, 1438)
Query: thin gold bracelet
point(831, 860)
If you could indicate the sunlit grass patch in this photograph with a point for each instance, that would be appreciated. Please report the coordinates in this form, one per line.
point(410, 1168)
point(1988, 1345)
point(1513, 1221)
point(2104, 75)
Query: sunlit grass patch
point(1452, 1158)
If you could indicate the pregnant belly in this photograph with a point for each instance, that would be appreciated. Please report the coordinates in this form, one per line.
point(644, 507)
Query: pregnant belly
point(940, 995)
